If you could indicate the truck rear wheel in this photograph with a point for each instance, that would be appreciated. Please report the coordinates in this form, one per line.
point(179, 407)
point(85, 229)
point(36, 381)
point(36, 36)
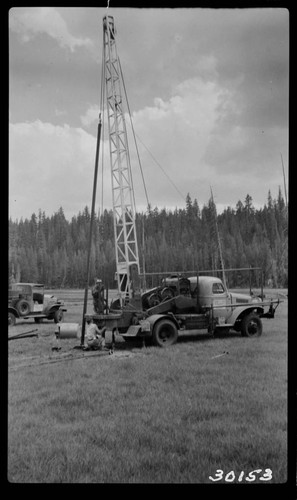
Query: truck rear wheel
point(164, 333)
point(251, 326)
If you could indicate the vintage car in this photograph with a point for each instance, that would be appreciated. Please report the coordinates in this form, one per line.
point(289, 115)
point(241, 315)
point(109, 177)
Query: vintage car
point(28, 300)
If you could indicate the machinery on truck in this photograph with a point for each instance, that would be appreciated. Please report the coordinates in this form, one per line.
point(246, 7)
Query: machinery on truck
point(179, 302)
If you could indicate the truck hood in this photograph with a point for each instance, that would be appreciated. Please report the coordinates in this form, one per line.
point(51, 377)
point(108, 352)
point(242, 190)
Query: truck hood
point(241, 298)
point(50, 297)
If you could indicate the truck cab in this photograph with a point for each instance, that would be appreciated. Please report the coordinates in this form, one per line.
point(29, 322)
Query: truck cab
point(213, 294)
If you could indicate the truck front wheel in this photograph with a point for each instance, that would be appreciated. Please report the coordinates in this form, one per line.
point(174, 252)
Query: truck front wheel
point(58, 316)
point(164, 333)
point(251, 326)
point(11, 319)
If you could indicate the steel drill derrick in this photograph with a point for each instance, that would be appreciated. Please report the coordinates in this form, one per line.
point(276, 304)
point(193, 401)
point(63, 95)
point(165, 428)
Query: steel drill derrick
point(121, 177)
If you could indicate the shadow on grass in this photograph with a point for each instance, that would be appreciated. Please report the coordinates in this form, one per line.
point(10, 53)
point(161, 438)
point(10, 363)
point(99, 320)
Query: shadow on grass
point(183, 338)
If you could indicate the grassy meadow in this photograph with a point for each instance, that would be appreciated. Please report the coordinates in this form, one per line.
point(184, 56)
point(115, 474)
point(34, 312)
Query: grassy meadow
point(147, 414)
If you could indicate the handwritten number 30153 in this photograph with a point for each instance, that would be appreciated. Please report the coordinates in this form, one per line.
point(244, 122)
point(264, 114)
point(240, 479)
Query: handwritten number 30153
point(251, 476)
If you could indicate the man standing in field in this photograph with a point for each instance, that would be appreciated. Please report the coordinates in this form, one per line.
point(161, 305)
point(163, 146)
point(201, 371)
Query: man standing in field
point(98, 297)
point(94, 336)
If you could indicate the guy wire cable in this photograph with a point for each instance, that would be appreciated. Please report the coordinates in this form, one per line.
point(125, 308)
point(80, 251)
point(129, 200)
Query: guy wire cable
point(179, 192)
point(135, 135)
point(144, 185)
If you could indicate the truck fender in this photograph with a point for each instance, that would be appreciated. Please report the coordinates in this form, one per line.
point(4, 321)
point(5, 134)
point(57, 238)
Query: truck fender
point(53, 308)
point(14, 311)
point(239, 312)
point(154, 318)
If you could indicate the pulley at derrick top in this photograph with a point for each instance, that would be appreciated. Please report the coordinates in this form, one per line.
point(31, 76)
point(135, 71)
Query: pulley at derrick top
point(108, 24)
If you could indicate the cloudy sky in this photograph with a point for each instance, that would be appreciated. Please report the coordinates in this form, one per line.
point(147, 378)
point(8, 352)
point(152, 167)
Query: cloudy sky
point(207, 89)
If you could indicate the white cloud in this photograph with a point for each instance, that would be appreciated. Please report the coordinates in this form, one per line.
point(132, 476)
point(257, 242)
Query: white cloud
point(53, 166)
point(35, 20)
point(176, 132)
point(201, 131)
point(50, 166)
point(90, 116)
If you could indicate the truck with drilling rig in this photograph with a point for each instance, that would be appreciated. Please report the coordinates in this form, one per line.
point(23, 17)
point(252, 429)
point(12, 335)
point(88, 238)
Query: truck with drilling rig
point(180, 302)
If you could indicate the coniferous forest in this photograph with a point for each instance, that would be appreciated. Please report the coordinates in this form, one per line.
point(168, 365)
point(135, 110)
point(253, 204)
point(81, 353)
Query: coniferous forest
point(53, 250)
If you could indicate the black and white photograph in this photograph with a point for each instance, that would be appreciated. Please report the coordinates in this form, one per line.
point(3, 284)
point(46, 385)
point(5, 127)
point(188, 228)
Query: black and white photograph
point(148, 201)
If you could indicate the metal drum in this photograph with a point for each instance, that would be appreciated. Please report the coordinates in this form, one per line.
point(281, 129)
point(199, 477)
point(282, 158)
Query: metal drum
point(68, 331)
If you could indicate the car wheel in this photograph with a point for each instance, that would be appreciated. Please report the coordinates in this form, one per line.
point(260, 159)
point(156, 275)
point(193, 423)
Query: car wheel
point(58, 316)
point(164, 333)
point(251, 326)
point(23, 307)
point(11, 319)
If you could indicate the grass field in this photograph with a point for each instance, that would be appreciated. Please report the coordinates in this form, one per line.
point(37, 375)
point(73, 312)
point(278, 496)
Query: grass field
point(148, 415)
